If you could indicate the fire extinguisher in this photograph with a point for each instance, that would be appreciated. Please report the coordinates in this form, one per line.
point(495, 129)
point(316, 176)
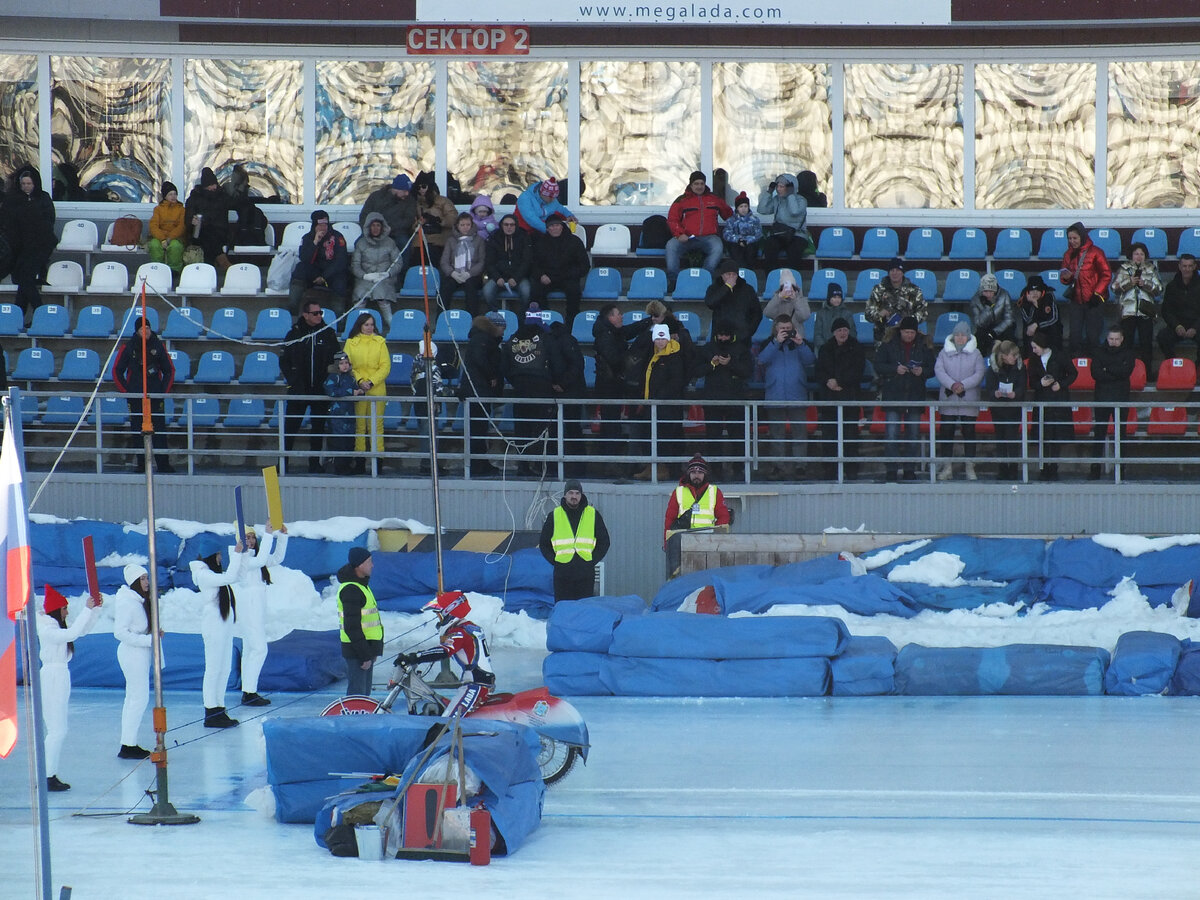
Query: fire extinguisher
point(481, 836)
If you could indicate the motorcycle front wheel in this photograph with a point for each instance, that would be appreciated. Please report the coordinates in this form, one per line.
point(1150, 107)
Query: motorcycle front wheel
point(555, 759)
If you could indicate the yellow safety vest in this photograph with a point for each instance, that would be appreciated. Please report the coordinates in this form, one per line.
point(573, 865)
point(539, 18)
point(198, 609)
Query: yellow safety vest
point(372, 627)
point(704, 510)
point(581, 543)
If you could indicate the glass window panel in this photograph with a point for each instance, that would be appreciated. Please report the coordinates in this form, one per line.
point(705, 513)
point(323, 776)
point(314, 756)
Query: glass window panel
point(904, 140)
point(374, 120)
point(1035, 136)
point(246, 111)
point(770, 118)
point(507, 125)
point(639, 131)
point(18, 113)
point(1153, 143)
point(111, 120)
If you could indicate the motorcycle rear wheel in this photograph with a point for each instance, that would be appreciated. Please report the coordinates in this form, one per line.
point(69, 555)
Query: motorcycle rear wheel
point(556, 759)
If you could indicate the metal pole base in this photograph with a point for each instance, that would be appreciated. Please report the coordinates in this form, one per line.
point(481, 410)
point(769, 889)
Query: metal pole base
point(445, 677)
point(163, 814)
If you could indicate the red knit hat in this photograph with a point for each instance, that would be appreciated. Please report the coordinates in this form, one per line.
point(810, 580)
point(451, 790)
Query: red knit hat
point(740, 199)
point(54, 600)
point(549, 188)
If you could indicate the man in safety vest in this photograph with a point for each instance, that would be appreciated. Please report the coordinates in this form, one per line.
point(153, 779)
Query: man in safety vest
point(573, 540)
point(695, 503)
point(362, 629)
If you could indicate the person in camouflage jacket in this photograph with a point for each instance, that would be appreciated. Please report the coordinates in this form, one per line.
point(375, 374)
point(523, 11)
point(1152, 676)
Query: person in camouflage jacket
point(894, 298)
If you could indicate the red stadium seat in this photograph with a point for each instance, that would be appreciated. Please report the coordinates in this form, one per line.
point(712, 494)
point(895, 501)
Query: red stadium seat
point(984, 426)
point(1178, 374)
point(1083, 419)
point(1167, 421)
point(1084, 381)
point(1137, 381)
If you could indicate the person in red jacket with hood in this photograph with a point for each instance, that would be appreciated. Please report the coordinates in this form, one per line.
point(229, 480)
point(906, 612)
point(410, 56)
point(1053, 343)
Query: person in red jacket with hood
point(693, 223)
point(1085, 276)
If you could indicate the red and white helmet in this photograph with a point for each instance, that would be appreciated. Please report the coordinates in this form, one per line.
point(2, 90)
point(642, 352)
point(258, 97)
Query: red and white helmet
point(449, 606)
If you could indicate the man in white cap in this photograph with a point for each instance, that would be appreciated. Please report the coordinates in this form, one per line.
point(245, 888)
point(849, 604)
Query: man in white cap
point(665, 378)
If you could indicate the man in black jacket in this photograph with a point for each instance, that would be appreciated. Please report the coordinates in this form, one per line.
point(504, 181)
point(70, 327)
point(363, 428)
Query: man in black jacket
point(726, 365)
point(307, 356)
point(506, 264)
point(1112, 366)
point(361, 628)
point(611, 338)
point(732, 300)
point(573, 539)
point(559, 263)
point(481, 378)
point(1180, 307)
point(839, 370)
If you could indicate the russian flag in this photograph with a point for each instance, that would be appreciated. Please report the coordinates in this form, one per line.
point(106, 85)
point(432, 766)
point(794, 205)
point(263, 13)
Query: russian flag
point(15, 576)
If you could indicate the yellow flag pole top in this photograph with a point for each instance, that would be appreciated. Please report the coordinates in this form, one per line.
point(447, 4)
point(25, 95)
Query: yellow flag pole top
point(274, 501)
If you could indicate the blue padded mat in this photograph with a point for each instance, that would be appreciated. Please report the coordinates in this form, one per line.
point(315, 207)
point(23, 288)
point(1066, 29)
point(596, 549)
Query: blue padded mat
point(690, 636)
point(642, 677)
point(1027, 669)
point(866, 667)
point(1142, 663)
point(574, 674)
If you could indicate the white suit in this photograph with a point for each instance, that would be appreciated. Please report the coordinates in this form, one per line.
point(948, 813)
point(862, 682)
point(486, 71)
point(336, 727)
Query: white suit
point(56, 677)
point(251, 593)
point(132, 630)
point(217, 632)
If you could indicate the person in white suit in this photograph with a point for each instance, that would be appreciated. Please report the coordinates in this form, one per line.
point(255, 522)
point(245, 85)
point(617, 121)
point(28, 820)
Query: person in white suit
point(217, 621)
point(57, 647)
point(131, 628)
point(252, 589)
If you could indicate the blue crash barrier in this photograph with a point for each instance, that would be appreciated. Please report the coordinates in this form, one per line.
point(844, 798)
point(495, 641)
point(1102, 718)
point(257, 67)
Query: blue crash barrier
point(867, 666)
point(1085, 560)
point(690, 636)
point(1142, 663)
point(404, 582)
point(1186, 680)
point(988, 559)
point(644, 677)
point(574, 674)
point(1013, 669)
point(588, 625)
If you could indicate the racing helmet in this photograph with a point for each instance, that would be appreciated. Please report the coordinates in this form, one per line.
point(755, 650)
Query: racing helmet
point(450, 606)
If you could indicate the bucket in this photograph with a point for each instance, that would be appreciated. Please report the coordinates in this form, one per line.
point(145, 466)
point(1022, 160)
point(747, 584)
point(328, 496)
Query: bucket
point(369, 840)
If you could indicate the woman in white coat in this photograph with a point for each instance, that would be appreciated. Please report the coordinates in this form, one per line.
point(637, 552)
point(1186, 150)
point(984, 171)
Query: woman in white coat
point(252, 607)
point(57, 647)
point(217, 618)
point(131, 628)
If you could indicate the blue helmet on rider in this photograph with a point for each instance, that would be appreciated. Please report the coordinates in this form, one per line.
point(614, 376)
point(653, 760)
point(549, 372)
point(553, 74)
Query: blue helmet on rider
point(450, 606)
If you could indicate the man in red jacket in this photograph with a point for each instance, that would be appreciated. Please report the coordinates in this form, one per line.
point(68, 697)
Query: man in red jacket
point(694, 226)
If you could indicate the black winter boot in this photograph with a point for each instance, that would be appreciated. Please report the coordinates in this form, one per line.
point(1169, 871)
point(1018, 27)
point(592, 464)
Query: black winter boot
point(215, 717)
point(128, 751)
point(254, 700)
point(53, 784)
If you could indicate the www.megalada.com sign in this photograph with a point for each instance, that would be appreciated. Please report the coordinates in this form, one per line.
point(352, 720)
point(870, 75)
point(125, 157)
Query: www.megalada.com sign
point(468, 40)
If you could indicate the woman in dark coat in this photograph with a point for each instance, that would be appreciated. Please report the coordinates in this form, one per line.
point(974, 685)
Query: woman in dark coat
point(160, 377)
point(206, 215)
point(1051, 374)
point(28, 218)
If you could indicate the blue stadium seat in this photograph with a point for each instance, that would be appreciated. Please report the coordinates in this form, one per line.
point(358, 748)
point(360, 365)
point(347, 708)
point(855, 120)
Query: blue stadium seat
point(763, 331)
point(774, 277)
point(1013, 243)
point(810, 330)
point(229, 323)
point(214, 367)
point(602, 283)
point(202, 412)
point(1155, 240)
point(1053, 243)
point(945, 324)
point(12, 320)
point(65, 411)
point(549, 316)
point(961, 285)
point(132, 315)
point(866, 280)
point(880, 243)
point(648, 284)
point(415, 279)
point(925, 243)
point(348, 324)
point(112, 411)
point(80, 365)
point(408, 325)
point(183, 365)
point(835, 243)
point(393, 414)
point(94, 322)
point(864, 331)
point(510, 322)
point(750, 277)
point(1012, 281)
point(690, 321)
point(245, 414)
point(261, 367)
point(50, 320)
point(825, 277)
point(968, 243)
point(925, 280)
point(29, 409)
point(184, 324)
point(400, 374)
point(581, 328)
point(1189, 242)
point(1108, 240)
point(271, 324)
point(1053, 281)
point(453, 324)
point(33, 364)
point(692, 284)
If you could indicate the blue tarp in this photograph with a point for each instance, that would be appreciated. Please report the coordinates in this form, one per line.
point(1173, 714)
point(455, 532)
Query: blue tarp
point(867, 666)
point(965, 596)
point(574, 674)
point(301, 661)
point(404, 582)
point(1085, 560)
point(95, 662)
point(1014, 669)
point(588, 625)
point(1142, 663)
point(690, 636)
point(318, 559)
point(642, 677)
point(984, 558)
point(675, 591)
point(1186, 680)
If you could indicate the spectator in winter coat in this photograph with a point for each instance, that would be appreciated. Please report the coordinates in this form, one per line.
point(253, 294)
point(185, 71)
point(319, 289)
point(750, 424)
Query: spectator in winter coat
point(573, 539)
point(831, 309)
point(506, 262)
point(462, 263)
point(436, 215)
point(1039, 312)
point(1005, 392)
point(788, 233)
point(839, 370)
point(207, 218)
point(611, 339)
point(567, 370)
point(1051, 374)
point(28, 223)
point(1085, 276)
point(483, 214)
point(144, 349)
point(692, 219)
point(323, 261)
point(538, 203)
point(445, 369)
point(397, 205)
point(742, 233)
point(992, 314)
point(1181, 307)
point(1112, 365)
point(481, 380)
point(787, 361)
point(167, 230)
point(559, 262)
point(525, 361)
point(308, 352)
point(788, 301)
point(903, 362)
point(806, 187)
point(375, 263)
point(960, 370)
point(893, 298)
point(732, 300)
point(371, 362)
point(341, 385)
point(726, 365)
point(249, 223)
point(695, 502)
point(665, 377)
point(1137, 286)
point(643, 346)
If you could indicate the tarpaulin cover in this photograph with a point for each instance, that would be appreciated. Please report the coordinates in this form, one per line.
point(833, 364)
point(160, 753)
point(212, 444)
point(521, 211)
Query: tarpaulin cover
point(867, 666)
point(1014, 669)
point(789, 677)
point(95, 662)
point(675, 591)
point(581, 625)
point(61, 543)
point(404, 582)
point(967, 596)
point(1067, 593)
point(810, 571)
point(574, 674)
point(689, 636)
point(984, 558)
point(301, 661)
point(1142, 663)
point(1085, 560)
point(1186, 680)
